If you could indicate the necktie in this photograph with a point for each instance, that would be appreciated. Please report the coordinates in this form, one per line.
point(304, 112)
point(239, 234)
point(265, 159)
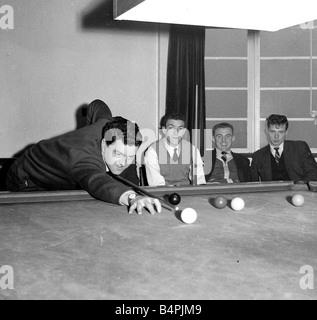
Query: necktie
point(175, 155)
point(277, 155)
point(224, 157)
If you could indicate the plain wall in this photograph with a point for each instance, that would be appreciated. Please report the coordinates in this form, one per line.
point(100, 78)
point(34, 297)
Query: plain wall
point(61, 55)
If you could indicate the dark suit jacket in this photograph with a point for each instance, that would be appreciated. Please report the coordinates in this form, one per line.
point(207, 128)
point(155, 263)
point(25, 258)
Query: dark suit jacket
point(242, 163)
point(299, 163)
point(74, 161)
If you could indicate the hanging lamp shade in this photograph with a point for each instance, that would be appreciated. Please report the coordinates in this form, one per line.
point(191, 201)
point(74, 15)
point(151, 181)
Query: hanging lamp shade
point(266, 15)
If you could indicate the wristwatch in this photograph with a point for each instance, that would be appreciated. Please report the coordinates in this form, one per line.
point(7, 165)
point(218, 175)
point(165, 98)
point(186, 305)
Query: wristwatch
point(131, 198)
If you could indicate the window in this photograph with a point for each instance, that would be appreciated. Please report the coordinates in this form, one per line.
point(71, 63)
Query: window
point(226, 69)
point(288, 87)
point(251, 74)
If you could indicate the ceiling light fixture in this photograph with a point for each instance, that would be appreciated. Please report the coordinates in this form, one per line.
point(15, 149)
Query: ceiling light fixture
point(266, 15)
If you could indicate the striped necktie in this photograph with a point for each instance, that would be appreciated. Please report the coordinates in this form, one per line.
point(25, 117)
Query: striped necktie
point(224, 157)
point(277, 155)
point(175, 155)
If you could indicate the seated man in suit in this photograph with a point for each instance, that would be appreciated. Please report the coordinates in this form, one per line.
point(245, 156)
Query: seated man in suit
point(227, 166)
point(283, 160)
point(169, 160)
point(89, 158)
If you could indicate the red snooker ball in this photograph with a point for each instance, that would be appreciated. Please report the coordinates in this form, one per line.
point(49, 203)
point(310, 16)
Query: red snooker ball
point(220, 202)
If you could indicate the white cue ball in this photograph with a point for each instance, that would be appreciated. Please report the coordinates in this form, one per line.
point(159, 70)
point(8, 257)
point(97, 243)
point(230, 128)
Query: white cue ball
point(189, 215)
point(298, 200)
point(237, 204)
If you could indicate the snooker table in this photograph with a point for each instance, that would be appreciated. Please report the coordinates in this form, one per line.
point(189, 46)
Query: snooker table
point(66, 245)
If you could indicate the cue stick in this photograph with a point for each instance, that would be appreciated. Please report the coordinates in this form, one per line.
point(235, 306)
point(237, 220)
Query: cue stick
point(165, 204)
point(194, 160)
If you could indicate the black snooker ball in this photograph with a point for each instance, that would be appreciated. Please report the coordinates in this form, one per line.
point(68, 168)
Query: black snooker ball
point(220, 202)
point(174, 198)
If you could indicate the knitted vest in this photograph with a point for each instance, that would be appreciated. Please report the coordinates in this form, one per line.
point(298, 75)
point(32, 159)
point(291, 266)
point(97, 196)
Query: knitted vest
point(218, 172)
point(174, 173)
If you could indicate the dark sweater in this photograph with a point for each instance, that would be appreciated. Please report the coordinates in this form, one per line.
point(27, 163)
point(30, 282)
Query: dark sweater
point(279, 172)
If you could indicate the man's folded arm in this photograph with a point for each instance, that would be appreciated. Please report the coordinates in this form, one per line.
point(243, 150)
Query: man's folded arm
point(95, 180)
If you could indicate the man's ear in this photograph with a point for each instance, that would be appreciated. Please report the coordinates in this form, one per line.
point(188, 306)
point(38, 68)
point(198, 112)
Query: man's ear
point(233, 138)
point(103, 146)
point(164, 130)
point(103, 150)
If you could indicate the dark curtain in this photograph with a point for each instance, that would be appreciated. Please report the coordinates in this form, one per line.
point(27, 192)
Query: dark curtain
point(186, 70)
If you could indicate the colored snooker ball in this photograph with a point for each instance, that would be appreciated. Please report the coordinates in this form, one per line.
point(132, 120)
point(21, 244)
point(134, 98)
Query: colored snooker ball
point(298, 200)
point(174, 198)
point(220, 202)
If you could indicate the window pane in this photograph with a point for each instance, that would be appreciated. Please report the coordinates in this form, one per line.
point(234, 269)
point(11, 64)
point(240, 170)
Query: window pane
point(285, 43)
point(306, 131)
point(285, 73)
point(315, 73)
point(315, 39)
point(295, 103)
point(226, 43)
point(224, 73)
point(226, 104)
point(315, 100)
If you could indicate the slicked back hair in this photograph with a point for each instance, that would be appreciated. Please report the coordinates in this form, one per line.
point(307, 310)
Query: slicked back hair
point(222, 125)
point(121, 128)
point(172, 116)
point(276, 120)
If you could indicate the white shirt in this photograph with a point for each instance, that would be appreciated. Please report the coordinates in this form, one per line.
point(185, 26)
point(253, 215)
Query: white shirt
point(152, 166)
point(280, 149)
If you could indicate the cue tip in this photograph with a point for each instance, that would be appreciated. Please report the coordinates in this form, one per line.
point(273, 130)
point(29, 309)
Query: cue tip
point(170, 207)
